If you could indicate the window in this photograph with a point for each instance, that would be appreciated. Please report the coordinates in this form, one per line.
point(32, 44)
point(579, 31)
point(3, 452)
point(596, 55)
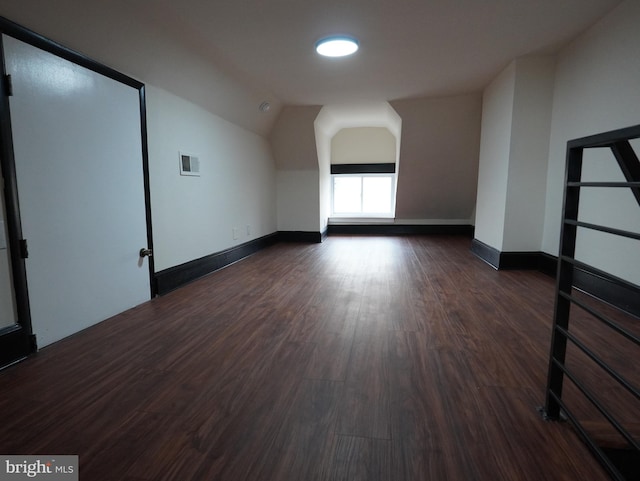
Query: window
point(364, 195)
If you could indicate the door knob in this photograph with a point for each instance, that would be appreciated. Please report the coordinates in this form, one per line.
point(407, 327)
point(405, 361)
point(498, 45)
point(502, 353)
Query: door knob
point(144, 252)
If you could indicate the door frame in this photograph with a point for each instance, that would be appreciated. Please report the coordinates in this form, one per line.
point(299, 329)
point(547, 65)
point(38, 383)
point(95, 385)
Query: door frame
point(18, 341)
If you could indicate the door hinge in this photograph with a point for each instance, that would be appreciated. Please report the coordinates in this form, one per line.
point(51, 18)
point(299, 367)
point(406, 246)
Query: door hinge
point(24, 250)
point(8, 85)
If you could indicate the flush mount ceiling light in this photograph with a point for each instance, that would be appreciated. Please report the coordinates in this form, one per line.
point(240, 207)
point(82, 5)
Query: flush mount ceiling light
point(264, 106)
point(337, 46)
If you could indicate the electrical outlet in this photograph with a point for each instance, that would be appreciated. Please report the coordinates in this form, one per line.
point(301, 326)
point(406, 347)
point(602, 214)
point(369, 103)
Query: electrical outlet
point(248, 230)
point(234, 231)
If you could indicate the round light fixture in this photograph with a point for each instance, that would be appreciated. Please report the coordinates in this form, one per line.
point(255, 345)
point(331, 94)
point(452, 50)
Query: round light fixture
point(337, 46)
point(264, 106)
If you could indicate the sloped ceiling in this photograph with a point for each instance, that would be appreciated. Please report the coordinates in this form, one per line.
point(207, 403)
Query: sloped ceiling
point(409, 48)
point(229, 55)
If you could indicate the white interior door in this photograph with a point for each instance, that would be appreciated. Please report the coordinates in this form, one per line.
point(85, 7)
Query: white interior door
point(79, 169)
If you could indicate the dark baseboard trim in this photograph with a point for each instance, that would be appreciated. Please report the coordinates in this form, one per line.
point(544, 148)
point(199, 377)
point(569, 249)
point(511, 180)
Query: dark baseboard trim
point(172, 278)
point(169, 279)
point(519, 260)
point(300, 236)
point(548, 264)
point(398, 229)
point(485, 252)
point(624, 297)
point(540, 261)
point(15, 345)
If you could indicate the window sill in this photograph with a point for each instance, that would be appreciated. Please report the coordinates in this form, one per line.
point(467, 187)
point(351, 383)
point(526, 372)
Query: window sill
point(361, 220)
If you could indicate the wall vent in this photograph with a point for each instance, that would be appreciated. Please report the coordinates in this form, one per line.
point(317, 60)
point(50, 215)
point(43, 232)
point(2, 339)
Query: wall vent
point(189, 164)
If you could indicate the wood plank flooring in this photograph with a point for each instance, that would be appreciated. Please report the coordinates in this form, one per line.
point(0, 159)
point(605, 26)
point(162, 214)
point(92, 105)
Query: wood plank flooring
point(361, 358)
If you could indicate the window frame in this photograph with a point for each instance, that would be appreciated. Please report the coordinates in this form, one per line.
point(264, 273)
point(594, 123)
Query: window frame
point(361, 214)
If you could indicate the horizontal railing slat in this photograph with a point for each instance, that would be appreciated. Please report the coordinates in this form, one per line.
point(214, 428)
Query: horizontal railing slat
point(632, 185)
point(619, 378)
point(620, 330)
point(604, 459)
point(605, 275)
point(613, 421)
point(602, 228)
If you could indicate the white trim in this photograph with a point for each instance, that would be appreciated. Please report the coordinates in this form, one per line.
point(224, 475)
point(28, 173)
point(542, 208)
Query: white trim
point(387, 221)
point(360, 220)
point(434, 221)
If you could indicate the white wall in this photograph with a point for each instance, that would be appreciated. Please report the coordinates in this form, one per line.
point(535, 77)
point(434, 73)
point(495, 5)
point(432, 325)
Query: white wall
point(513, 155)
point(324, 171)
point(298, 185)
point(528, 153)
point(195, 216)
point(438, 166)
point(363, 145)
point(324, 130)
point(298, 202)
point(495, 146)
point(596, 90)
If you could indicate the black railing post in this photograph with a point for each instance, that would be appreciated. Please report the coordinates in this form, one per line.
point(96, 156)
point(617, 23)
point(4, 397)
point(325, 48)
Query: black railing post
point(572, 272)
point(564, 281)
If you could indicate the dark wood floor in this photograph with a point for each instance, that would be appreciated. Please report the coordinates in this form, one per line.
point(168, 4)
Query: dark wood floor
point(361, 358)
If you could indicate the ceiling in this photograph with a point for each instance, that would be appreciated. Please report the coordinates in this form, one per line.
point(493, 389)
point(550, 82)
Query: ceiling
point(408, 48)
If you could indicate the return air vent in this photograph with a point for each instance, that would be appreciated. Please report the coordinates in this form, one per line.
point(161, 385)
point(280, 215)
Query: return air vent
point(189, 164)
